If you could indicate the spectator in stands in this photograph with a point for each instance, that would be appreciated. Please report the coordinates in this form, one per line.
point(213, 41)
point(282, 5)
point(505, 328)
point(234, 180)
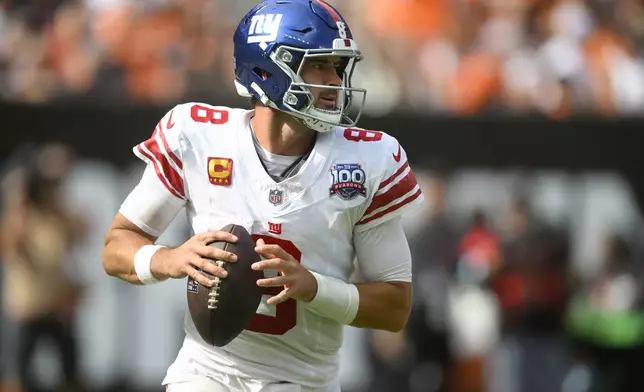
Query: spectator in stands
point(39, 291)
point(531, 288)
point(607, 319)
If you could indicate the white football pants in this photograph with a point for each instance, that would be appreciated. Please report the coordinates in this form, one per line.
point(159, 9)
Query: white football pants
point(204, 384)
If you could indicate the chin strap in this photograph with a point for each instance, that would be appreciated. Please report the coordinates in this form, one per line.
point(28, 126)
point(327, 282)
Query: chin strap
point(309, 122)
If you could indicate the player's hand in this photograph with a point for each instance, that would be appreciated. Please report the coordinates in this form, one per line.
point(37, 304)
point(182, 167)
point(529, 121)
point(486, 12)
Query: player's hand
point(192, 256)
point(298, 282)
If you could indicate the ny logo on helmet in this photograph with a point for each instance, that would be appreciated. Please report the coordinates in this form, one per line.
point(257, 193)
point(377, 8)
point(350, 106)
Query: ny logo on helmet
point(264, 28)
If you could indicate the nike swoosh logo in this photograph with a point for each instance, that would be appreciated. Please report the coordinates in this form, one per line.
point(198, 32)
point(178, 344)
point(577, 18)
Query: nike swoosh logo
point(170, 123)
point(397, 155)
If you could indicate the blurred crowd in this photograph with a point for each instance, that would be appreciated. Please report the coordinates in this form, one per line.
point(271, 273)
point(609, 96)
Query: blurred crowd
point(550, 57)
point(524, 282)
point(40, 287)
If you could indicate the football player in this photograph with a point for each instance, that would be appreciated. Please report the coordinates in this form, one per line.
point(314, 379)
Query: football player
point(315, 191)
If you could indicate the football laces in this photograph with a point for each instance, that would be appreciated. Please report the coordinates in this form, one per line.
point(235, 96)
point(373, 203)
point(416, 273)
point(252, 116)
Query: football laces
point(213, 293)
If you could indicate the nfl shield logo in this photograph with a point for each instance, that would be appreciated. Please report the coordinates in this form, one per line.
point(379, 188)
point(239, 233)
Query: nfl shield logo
point(275, 196)
point(193, 285)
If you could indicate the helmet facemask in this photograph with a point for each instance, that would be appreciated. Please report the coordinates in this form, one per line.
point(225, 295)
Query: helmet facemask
point(299, 99)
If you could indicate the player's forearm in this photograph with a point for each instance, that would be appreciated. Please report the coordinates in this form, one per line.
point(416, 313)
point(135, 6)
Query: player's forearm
point(120, 249)
point(383, 305)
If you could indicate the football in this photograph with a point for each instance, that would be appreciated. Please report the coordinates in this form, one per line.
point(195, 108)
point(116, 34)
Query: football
point(221, 312)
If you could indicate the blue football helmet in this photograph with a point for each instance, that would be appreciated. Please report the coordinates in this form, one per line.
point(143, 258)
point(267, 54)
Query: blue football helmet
point(272, 42)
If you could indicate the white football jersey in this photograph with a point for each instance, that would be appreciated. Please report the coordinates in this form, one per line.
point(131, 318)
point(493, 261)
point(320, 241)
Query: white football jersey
point(353, 180)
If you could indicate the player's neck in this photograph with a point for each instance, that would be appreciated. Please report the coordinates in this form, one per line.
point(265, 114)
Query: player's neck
point(281, 134)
